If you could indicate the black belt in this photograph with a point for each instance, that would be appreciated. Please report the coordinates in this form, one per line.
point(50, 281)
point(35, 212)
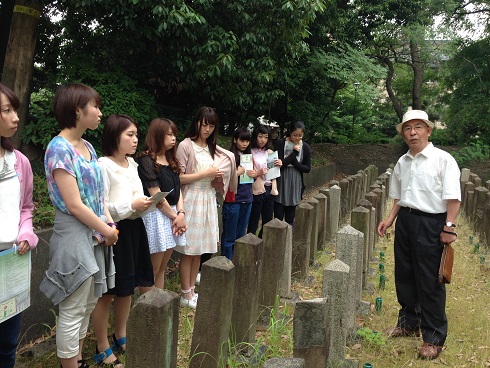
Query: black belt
point(413, 211)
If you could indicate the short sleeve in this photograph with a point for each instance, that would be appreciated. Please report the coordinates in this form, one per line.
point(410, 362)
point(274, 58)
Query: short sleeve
point(147, 172)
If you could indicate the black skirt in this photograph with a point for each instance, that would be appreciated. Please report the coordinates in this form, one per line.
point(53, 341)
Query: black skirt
point(131, 258)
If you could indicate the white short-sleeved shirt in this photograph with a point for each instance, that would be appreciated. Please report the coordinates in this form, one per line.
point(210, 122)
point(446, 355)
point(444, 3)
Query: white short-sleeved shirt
point(426, 181)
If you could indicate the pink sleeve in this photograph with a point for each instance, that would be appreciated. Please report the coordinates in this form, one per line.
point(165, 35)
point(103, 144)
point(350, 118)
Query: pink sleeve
point(26, 230)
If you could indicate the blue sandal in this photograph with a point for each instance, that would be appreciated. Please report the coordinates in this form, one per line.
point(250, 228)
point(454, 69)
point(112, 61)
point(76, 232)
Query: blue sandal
point(99, 359)
point(117, 346)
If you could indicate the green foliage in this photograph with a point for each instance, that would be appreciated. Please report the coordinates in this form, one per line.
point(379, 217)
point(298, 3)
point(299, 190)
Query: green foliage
point(43, 215)
point(467, 85)
point(373, 338)
point(475, 151)
point(120, 95)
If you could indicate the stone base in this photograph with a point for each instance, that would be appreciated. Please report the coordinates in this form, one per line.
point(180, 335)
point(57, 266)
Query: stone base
point(363, 308)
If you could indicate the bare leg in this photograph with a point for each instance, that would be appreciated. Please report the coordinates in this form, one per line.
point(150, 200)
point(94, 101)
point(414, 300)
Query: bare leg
point(122, 305)
point(159, 262)
point(100, 321)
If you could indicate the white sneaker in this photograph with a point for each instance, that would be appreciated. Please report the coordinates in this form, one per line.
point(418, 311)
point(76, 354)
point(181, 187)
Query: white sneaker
point(198, 279)
point(188, 303)
point(196, 295)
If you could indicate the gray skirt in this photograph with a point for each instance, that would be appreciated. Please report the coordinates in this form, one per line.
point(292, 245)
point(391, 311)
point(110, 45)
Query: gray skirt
point(73, 259)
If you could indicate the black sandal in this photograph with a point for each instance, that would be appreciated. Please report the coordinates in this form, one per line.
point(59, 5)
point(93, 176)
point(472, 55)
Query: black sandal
point(82, 364)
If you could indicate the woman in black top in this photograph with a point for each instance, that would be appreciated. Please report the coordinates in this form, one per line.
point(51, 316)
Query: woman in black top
point(296, 161)
point(159, 172)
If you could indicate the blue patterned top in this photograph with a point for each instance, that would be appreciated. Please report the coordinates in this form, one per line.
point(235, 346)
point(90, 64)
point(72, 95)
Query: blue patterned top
point(60, 154)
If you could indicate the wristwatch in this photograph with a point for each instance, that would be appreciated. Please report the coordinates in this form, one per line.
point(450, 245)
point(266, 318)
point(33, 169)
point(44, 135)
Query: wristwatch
point(450, 224)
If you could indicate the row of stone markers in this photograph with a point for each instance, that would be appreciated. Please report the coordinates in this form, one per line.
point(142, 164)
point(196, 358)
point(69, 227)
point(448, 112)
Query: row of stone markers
point(323, 326)
point(235, 297)
point(475, 204)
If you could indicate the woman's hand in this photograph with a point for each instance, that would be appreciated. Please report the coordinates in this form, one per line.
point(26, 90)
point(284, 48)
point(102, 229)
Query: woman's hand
point(262, 171)
point(213, 172)
point(240, 170)
point(110, 236)
point(251, 173)
point(278, 162)
point(178, 225)
point(297, 147)
point(141, 204)
point(24, 247)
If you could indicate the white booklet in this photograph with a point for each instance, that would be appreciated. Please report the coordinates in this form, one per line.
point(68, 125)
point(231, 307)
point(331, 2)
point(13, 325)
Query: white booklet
point(247, 163)
point(15, 283)
point(272, 171)
point(157, 198)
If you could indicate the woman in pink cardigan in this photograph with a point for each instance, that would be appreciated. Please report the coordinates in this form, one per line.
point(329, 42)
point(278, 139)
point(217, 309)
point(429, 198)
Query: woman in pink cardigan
point(205, 169)
point(15, 210)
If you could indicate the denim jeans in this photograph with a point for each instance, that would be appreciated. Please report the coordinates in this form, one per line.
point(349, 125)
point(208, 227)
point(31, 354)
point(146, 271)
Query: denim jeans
point(235, 221)
point(9, 334)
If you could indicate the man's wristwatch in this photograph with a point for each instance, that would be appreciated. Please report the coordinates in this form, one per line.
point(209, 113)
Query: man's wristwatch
point(450, 224)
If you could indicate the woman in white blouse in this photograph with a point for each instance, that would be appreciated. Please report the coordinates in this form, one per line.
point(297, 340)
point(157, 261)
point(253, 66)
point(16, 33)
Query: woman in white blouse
point(125, 200)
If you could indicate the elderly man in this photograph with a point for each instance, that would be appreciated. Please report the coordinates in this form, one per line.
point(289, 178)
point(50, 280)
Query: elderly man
point(426, 192)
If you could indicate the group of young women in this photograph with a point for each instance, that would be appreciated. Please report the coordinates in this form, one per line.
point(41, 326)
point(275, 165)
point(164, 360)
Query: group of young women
point(110, 234)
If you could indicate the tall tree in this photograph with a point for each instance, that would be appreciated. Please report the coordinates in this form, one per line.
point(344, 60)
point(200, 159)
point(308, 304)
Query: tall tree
point(19, 58)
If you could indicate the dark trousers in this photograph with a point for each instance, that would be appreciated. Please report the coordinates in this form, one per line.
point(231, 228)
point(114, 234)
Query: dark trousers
point(263, 205)
point(235, 221)
point(9, 334)
point(284, 213)
point(417, 257)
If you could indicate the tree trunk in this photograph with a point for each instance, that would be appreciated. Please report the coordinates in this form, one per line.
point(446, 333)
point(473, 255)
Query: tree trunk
point(389, 88)
point(418, 75)
point(19, 58)
point(5, 20)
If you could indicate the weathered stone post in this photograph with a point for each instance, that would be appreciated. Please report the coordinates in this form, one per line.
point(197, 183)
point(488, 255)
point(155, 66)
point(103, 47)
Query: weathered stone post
point(465, 177)
point(314, 229)
point(335, 283)
point(322, 217)
point(360, 220)
point(275, 232)
point(213, 314)
point(344, 197)
point(349, 250)
point(155, 314)
point(247, 260)
point(309, 332)
point(478, 204)
point(372, 226)
point(286, 269)
point(335, 198)
point(301, 240)
point(328, 225)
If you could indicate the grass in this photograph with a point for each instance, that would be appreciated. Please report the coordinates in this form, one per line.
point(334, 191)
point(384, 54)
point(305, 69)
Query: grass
point(468, 311)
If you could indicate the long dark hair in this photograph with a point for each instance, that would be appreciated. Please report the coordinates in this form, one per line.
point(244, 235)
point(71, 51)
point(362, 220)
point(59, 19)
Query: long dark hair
point(6, 142)
point(244, 135)
point(155, 142)
point(261, 129)
point(206, 115)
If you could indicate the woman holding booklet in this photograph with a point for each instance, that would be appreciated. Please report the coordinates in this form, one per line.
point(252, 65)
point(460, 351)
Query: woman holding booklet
point(237, 207)
point(15, 210)
point(296, 161)
point(264, 187)
point(159, 171)
point(124, 197)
